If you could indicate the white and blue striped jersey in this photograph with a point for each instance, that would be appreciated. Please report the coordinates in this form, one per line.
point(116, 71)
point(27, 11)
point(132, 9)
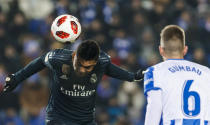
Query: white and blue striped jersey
point(178, 93)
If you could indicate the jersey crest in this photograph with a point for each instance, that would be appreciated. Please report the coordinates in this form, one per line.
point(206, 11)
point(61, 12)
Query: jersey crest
point(93, 78)
point(64, 77)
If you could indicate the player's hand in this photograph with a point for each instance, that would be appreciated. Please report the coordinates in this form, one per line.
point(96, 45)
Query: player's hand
point(139, 75)
point(10, 83)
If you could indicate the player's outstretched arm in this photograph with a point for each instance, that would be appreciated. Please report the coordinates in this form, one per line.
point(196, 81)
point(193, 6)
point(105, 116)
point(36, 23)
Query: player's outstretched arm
point(119, 73)
point(13, 80)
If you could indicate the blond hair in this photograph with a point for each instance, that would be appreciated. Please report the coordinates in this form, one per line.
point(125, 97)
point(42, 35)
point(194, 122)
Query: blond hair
point(172, 39)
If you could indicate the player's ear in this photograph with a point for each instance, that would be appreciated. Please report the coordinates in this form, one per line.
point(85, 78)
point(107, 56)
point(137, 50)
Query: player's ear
point(161, 51)
point(185, 50)
point(73, 54)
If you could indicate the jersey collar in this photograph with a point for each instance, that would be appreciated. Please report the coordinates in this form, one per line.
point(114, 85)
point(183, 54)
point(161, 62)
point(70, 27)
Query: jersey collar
point(175, 59)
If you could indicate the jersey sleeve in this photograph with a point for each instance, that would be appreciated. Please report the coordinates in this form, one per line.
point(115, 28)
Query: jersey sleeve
point(115, 71)
point(154, 108)
point(33, 67)
point(119, 73)
point(50, 60)
point(149, 81)
point(53, 58)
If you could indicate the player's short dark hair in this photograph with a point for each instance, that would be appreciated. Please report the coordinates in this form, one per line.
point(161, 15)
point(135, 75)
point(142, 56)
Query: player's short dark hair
point(88, 50)
point(173, 38)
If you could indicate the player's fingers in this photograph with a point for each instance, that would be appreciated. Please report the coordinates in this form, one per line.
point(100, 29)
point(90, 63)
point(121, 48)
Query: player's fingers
point(7, 79)
point(5, 89)
point(144, 71)
point(139, 80)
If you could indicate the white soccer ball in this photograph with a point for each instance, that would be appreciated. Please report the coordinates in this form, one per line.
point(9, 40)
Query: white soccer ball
point(66, 28)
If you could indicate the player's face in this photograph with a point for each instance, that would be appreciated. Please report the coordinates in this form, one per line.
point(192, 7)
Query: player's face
point(83, 67)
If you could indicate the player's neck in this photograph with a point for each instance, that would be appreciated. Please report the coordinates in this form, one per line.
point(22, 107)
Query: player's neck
point(173, 57)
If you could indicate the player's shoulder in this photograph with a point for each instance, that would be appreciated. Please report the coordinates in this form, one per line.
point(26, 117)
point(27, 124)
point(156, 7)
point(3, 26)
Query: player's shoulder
point(202, 67)
point(155, 67)
point(104, 57)
point(149, 83)
point(60, 54)
point(161, 65)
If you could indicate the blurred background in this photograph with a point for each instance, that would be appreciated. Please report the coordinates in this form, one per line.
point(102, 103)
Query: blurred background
point(128, 30)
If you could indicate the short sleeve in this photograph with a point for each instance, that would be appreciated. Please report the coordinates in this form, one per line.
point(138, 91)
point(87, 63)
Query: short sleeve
point(149, 82)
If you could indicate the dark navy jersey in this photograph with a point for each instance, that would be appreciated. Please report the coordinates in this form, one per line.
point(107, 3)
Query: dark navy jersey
point(71, 97)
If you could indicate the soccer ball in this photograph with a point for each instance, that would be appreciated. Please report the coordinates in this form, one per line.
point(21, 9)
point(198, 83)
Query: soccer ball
point(66, 28)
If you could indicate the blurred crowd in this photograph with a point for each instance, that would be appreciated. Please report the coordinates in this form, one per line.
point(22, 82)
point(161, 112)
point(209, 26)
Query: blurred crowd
point(128, 30)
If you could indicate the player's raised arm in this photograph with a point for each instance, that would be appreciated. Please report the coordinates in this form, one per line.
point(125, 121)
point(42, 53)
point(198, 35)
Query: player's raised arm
point(33, 67)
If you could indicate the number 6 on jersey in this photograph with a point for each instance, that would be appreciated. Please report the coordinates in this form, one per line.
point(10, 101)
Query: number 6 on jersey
point(190, 100)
